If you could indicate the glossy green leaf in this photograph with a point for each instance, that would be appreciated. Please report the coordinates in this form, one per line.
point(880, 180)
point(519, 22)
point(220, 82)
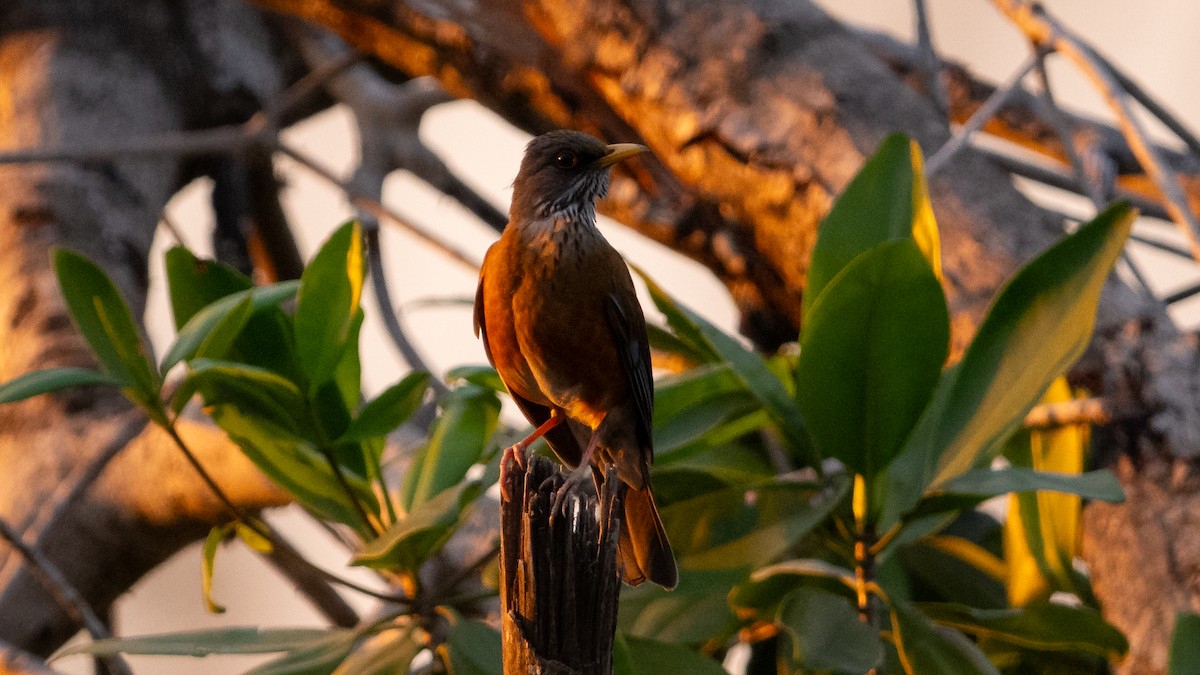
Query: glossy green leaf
point(765, 386)
point(684, 328)
point(671, 351)
point(886, 201)
point(208, 564)
point(347, 375)
point(749, 367)
point(1185, 645)
point(104, 319)
point(748, 526)
point(197, 329)
point(926, 649)
point(391, 408)
point(193, 283)
point(318, 659)
point(408, 542)
point(949, 567)
point(483, 376)
point(1042, 532)
point(254, 391)
point(1100, 484)
point(292, 462)
point(692, 404)
point(642, 656)
point(1039, 324)
point(220, 340)
point(871, 353)
point(762, 596)
point(1041, 626)
point(471, 648)
point(55, 379)
point(388, 653)
point(237, 640)
point(328, 301)
point(691, 614)
point(457, 440)
point(822, 632)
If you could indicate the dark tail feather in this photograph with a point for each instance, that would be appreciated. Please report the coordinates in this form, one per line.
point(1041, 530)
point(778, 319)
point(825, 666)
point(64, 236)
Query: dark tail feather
point(644, 549)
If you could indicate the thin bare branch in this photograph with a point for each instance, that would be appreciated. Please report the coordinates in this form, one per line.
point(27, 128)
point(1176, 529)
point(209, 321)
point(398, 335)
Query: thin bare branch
point(387, 310)
point(1067, 413)
point(932, 64)
point(71, 489)
point(373, 207)
point(67, 597)
point(1043, 30)
point(986, 112)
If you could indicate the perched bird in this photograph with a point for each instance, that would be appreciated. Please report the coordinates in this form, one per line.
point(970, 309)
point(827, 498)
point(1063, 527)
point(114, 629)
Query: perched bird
point(561, 323)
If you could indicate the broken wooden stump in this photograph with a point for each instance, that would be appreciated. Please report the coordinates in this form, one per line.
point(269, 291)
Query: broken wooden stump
point(559, 581)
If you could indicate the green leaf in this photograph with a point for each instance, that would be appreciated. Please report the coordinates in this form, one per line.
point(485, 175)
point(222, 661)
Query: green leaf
point(387, 653)
point(207, 563)
point(748, 526)
point(347, 375)
point(641, 656)
point(409, 542)
point(1037, 327)
point(871, 353)
point(318, 659)
point(1043, 626)
point(692, 614)
point(391, 408)
point(194, 283)
point(823, 632)
point(886, 201)
point(692, 404)
point(956, 568)
point(203, 323)
point(294, 463)
point(1042, 531)
point(254, 391)
point(220, 340)
point(328, 301)
point(750, 368)
point(1185, 645)
point(1100, 484)
point(926, 649)
point(684, 327)
point(105, 321)
point(483, 376)
point(471, 648)
point(458, 438)
point(46, 381)
point(237, 640)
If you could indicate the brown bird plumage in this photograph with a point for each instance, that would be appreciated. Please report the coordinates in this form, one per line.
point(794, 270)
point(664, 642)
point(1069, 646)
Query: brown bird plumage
point(561, 323)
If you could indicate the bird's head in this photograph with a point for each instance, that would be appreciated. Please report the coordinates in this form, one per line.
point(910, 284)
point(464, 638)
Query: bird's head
point(564, 173)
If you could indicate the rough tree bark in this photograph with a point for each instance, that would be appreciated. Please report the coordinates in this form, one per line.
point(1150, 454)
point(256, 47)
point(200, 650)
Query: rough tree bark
point(757, 114)
point(84, 480)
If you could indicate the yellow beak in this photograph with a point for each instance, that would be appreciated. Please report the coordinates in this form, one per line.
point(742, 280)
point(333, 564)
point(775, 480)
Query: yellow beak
point(619, 151)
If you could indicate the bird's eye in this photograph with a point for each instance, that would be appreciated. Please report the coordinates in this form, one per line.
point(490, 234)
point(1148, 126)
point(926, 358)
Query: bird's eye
point(566, 159)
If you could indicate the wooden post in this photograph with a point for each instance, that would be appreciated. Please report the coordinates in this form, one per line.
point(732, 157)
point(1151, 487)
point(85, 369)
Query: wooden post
point(558, 581)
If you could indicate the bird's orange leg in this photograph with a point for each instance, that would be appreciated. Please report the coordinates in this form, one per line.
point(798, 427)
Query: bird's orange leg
point(516, 452)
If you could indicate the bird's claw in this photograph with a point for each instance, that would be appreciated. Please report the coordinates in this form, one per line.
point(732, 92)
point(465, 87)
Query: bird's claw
point(517, 454)
point(572, 481)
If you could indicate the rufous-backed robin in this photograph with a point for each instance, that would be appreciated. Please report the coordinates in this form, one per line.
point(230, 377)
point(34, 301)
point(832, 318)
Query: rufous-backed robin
point(560, 321)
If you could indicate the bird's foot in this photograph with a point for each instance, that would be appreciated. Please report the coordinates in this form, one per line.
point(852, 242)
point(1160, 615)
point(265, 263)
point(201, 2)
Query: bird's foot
point(574, 478)
point(516, 453)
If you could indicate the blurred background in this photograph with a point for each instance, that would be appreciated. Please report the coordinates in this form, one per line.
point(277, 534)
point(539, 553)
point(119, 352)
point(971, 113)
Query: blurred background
point(1154, 41)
